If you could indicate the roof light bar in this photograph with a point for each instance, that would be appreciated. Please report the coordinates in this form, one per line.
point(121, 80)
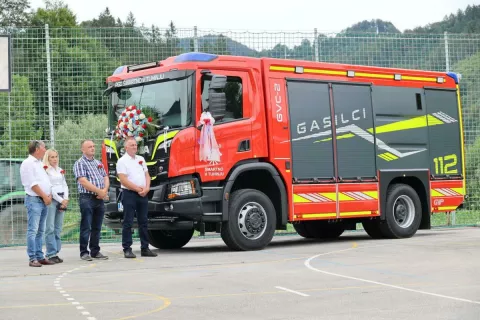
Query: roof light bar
point(142, 66)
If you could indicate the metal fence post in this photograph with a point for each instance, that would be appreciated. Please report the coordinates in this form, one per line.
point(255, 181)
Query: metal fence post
point(315, 43)
point(447, 69)
point(447, 60)
point(49, 82)
point(195, 39)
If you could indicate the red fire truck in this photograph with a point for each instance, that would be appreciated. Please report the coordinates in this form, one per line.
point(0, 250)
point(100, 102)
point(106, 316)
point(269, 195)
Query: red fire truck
point(244, 146)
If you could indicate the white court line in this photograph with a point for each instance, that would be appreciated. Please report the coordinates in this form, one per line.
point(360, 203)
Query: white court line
point(293, 291)
point(309, 266)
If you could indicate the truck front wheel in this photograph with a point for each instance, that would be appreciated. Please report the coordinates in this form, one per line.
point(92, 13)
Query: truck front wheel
point(251, 221)
point(169, 239)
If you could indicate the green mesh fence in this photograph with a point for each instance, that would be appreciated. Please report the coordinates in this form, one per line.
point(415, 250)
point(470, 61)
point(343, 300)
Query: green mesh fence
point(59, 76)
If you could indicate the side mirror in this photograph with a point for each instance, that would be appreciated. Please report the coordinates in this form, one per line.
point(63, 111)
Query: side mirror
point(217, 99)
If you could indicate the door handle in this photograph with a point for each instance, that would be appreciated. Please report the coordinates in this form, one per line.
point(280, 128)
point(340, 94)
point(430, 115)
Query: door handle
point(244, 146)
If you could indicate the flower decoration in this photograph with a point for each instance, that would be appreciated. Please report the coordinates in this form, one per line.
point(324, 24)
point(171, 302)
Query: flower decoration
point(62, 172)
point(45, 167)
point(132, 122)
point(140, 162)
point(100, 166)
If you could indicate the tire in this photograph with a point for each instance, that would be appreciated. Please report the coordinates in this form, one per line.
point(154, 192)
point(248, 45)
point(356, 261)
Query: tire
point(251, 221)
point(301, 229)
point(403, 212)
point(169, 239)
point(13, 224)
point(324, 230)
point(372, 228)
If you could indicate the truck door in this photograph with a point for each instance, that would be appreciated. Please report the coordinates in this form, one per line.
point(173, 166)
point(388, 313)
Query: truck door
point(233, 131)
point(445, 145)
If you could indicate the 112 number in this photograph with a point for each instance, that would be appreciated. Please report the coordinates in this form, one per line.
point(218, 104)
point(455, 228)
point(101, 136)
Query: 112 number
point(444, 164)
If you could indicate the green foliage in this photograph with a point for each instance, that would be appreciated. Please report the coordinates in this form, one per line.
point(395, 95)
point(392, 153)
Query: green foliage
point(55, 14)
point(69, 135)
point(13, 13)
point(17, 124)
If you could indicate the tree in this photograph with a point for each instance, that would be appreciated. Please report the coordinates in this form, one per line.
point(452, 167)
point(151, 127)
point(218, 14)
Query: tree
point(55, 14)
point(18, 126)
point(13, 13)
point(131, 21)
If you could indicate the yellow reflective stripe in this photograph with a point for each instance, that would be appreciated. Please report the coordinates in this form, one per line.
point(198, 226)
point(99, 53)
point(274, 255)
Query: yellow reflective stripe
point(432, 121)
point(330, 195)
point(417, 122)
point(344, 197)
point(318, 215)
point(373, 194)
point(160, 138)
point(462, 143)
point(435, 193)
point(387, 156)
point(324, 71)
point(357, 74)
point(355, 213)
point(459, 190)
point(279, 68)
point(374, 75)
point(151, 163)
point(298, 199)
point(413, 78)
point(447, 208)
point(112, 145)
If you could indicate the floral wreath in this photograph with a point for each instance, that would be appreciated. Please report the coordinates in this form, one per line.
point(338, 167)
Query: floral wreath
point(132, 122)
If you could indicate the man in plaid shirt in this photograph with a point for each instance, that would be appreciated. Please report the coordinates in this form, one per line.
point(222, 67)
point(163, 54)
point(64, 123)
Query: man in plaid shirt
point(93, 184)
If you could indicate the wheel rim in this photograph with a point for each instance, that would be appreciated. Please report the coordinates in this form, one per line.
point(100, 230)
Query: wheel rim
point(403, 211)
point(252, 220)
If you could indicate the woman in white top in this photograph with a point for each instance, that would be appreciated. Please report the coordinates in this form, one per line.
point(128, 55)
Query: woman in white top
point(56, 210)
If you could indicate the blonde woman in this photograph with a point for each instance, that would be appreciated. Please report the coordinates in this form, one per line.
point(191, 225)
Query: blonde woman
point(56, 210)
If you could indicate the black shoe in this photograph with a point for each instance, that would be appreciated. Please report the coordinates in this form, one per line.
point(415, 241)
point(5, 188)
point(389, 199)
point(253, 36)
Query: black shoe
point(100, 256)
point(148, 253)
point(129, 254)
point(56, 259)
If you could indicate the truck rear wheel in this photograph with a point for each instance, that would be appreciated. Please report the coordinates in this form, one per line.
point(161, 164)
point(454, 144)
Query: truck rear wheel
point(302, 230)
point(251, 221)
point(169, 239)
point(319, 229)
point(403, 213)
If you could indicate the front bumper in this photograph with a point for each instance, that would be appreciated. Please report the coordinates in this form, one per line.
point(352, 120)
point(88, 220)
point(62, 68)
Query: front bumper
point(175, 214)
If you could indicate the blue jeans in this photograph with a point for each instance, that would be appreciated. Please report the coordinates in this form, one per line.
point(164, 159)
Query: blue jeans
point(36, 216)
point(133, 204)
point(92, 210)
point(53, 229)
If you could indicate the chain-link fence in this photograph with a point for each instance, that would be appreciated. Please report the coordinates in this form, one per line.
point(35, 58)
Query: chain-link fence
point(59, 76)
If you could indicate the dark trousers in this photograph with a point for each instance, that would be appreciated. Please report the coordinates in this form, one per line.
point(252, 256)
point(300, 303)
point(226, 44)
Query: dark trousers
point(133, 204)
point(92, 210)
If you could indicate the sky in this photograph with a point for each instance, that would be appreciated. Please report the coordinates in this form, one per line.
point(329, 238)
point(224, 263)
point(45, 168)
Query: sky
point(260, 16)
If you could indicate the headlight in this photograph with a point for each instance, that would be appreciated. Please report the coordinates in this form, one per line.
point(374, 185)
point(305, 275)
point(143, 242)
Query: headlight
point(181, 189)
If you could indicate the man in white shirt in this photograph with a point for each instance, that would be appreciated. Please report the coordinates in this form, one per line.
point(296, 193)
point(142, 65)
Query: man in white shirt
point(135, 182)
point(38, 196)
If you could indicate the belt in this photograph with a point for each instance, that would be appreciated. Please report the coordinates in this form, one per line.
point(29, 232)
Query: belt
point(91, 195)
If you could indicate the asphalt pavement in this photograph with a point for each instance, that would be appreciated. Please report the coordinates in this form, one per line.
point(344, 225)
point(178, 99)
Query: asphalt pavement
point(434, 275)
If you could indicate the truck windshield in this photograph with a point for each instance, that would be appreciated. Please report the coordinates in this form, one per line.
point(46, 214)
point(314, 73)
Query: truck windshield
point(169, 103)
